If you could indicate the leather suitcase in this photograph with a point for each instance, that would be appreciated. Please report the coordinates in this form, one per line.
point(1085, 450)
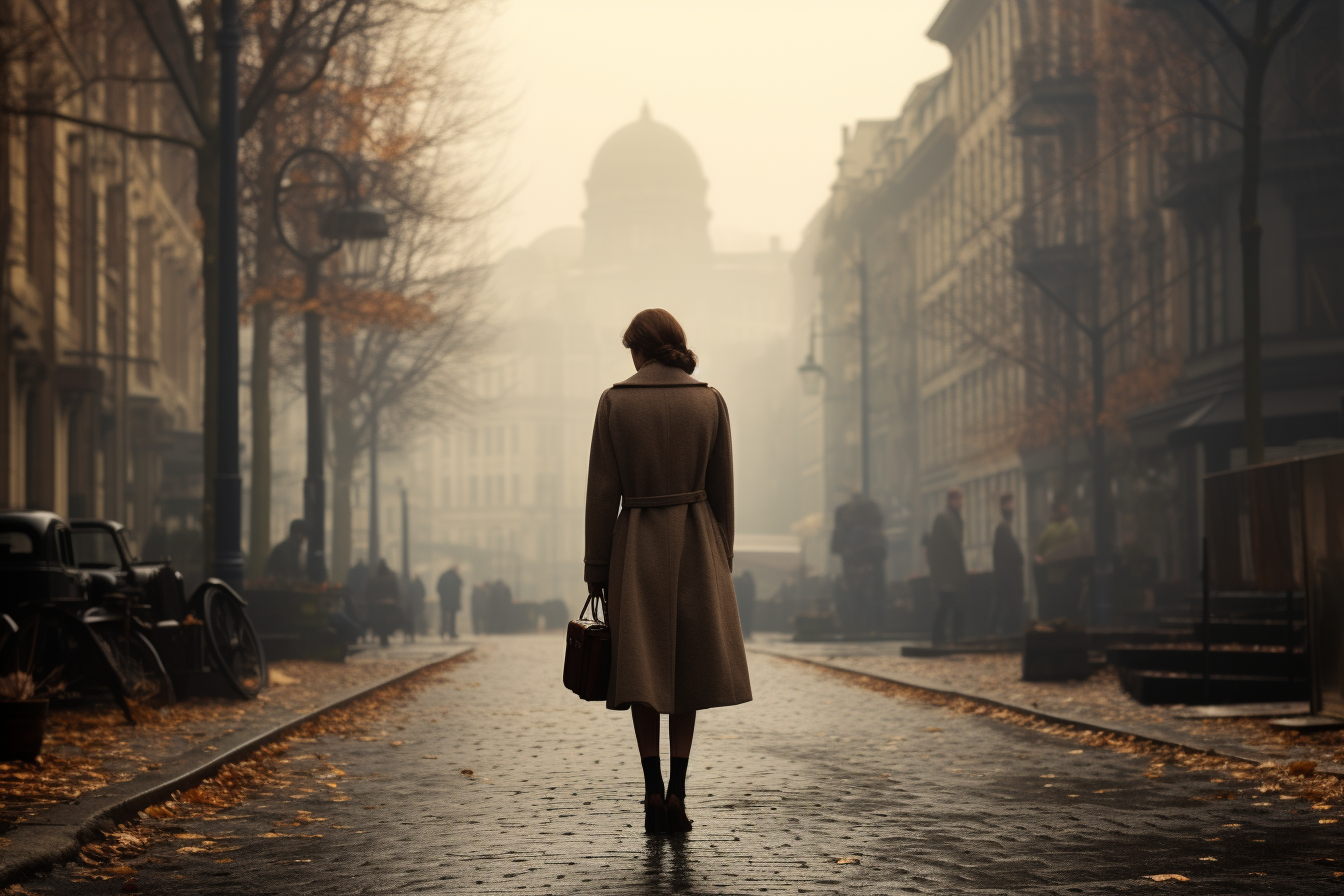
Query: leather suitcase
point(588, 653)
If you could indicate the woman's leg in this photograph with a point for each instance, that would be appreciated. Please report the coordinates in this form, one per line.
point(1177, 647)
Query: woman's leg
point(646, 730)
point(680, 731)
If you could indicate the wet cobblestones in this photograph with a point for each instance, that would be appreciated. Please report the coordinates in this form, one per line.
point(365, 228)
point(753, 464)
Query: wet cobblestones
point(916, 798)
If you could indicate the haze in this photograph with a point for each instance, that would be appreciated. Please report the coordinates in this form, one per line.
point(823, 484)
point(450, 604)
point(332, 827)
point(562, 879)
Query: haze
point(760, 89)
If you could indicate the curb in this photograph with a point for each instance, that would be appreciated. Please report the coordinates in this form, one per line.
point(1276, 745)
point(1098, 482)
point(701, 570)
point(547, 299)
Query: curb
point(56, 836)
point(1160, 738)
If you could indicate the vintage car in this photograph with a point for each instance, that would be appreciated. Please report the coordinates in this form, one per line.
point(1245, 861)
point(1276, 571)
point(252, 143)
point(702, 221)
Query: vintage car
point(78, 605)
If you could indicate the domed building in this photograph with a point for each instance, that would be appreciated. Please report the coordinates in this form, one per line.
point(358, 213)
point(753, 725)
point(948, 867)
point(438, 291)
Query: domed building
point(646, 200)
point(503, 492)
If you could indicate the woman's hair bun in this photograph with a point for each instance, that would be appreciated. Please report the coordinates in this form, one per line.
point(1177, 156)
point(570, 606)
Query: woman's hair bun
point(656, 335)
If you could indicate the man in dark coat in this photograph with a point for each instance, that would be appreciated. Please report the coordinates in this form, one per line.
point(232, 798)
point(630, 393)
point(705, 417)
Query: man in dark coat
point(745, 586)
point(947, 568)
point(286, 561)
point(384, 597)
point(449, 588)
point(478, 610)
point(356, 580)
point(1009, 564)
point(859, 539)
point(415, 608)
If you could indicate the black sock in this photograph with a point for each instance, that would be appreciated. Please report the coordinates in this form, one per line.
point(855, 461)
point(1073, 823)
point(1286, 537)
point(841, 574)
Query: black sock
point(653, 775)
point(678, 783)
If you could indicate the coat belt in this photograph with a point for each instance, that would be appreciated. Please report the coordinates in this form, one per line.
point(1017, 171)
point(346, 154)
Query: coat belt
point(666, 500)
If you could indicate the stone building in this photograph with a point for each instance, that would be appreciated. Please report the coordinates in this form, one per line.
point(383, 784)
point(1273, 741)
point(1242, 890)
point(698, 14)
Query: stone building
point(101, 356)
point(1065, 185)
point(502, 491)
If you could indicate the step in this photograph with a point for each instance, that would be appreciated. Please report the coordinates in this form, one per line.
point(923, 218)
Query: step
point(1161, 688)
point(1190, 658)
point(1247, 631)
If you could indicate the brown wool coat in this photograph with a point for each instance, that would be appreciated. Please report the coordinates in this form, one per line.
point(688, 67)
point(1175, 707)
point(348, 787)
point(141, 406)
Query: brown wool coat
point(676, 639)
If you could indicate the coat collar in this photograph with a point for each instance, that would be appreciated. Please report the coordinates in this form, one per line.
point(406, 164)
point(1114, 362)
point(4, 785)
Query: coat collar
point(656, 373)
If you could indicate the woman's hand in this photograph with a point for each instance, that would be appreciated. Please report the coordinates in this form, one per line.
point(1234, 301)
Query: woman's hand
point(597, 589)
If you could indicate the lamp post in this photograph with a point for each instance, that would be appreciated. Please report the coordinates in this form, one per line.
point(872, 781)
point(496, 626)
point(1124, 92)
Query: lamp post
point(318, 193)
point(228, 509)
point(812, 374)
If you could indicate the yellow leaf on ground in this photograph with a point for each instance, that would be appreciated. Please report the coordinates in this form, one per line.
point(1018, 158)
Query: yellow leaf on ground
point(121, 869)
point(847, 860)
point(1327, 821)
point(280, 678)
point(1162, 877)
point(1207, 859)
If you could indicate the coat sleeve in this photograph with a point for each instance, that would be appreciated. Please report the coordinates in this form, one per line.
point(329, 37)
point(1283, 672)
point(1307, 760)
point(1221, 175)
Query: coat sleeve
point(604, 497)
point(719, 477)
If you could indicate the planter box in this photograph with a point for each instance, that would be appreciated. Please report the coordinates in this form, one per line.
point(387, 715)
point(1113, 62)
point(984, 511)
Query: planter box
point(23, 725)
point(1055, 656)
point(296, 624)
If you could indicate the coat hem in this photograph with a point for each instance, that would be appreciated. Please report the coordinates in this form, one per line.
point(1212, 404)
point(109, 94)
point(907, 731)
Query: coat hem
point(622, 707)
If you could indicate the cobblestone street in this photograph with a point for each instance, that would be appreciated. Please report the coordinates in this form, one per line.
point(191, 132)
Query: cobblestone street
point(918, 798)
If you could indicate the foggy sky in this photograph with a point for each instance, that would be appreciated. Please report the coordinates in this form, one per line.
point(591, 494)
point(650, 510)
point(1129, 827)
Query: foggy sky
point(759, 87)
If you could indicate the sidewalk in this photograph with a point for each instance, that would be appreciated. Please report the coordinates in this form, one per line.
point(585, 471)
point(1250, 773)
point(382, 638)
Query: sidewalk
point(94, 765)
point(1097, 703)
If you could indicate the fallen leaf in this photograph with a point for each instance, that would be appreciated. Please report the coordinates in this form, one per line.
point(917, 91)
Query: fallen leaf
point(933, 730)
point(847, 860)
point(280, 678)
point(397, 743)
point(1327, 821)
point(468, 772)
point(1304, 767)
point(121, 869)
point(222, 861)
point(1074, 752)
point(1207, 859)
point(422, 757)
point(1322, 806)
point(1324, 861)
point(1162, 877)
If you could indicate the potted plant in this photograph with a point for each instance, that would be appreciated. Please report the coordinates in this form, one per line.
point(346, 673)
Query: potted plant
point(23, 718)
point(1055, 651)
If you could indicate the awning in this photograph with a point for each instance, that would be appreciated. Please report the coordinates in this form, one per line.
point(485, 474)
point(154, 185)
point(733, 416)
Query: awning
point(1291, 416)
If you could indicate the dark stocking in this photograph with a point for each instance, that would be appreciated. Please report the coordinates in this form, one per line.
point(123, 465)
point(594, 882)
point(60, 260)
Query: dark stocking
point(677, 785)
point(653, 775)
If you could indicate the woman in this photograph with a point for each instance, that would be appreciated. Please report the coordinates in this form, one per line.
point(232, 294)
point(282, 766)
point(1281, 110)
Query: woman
point(662, 456)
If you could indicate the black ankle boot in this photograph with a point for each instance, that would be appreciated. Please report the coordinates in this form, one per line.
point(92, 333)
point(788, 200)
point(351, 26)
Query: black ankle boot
point(655, 814)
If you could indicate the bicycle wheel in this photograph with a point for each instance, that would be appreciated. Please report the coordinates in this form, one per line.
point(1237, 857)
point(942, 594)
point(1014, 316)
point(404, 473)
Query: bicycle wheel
point(137, 665)
point(57, 650)
point(234, 642)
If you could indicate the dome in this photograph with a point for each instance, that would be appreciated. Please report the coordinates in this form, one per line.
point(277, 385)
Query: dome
point(646, 199)
point(649, 158)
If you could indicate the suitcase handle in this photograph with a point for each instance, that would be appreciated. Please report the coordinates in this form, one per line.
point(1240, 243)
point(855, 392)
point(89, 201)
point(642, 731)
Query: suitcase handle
point(594, 600)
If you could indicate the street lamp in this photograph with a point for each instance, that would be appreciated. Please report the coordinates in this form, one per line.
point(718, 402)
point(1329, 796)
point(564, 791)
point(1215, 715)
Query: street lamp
point(318, 195)
point(812, 372)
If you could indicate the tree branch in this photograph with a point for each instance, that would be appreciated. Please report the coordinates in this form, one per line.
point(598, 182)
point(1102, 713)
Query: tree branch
point(1238, 39)
point(101, 125)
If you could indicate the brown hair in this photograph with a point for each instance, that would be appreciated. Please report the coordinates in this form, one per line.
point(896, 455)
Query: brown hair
point(656, 335)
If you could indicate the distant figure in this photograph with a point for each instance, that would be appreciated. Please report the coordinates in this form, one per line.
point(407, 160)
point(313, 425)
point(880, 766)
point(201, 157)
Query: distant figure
point(862, 545)
point(1009, 563)
point(947, 568)
point(1058, 596)
point(745, 586)
point(286, 560)
point(478, 602)
point(415, 609)
point(450, 601)
point(384, 602)
point(499, 600)
point(1061, 530)
point(356, 581)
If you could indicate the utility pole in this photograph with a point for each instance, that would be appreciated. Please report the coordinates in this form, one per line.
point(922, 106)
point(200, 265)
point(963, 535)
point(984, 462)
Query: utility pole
point(864, 452)
point(375, 548)
point(314, 483)
point(405, 537)
point(228, 509)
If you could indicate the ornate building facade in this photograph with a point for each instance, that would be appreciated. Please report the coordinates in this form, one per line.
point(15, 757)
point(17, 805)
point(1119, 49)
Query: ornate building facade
point(101, 337)
point(1049, 234)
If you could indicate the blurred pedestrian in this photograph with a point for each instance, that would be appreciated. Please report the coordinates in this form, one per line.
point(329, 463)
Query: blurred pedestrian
point(356, 581)
point(745, 586)
point(947, 568)
point(1009, 565)
point(1058, 591)
point(662, 456)
point(449, 588)
point(285, 563)
point(384, 602)
point(859, 539)
point(415, 608)
point(478, 602)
